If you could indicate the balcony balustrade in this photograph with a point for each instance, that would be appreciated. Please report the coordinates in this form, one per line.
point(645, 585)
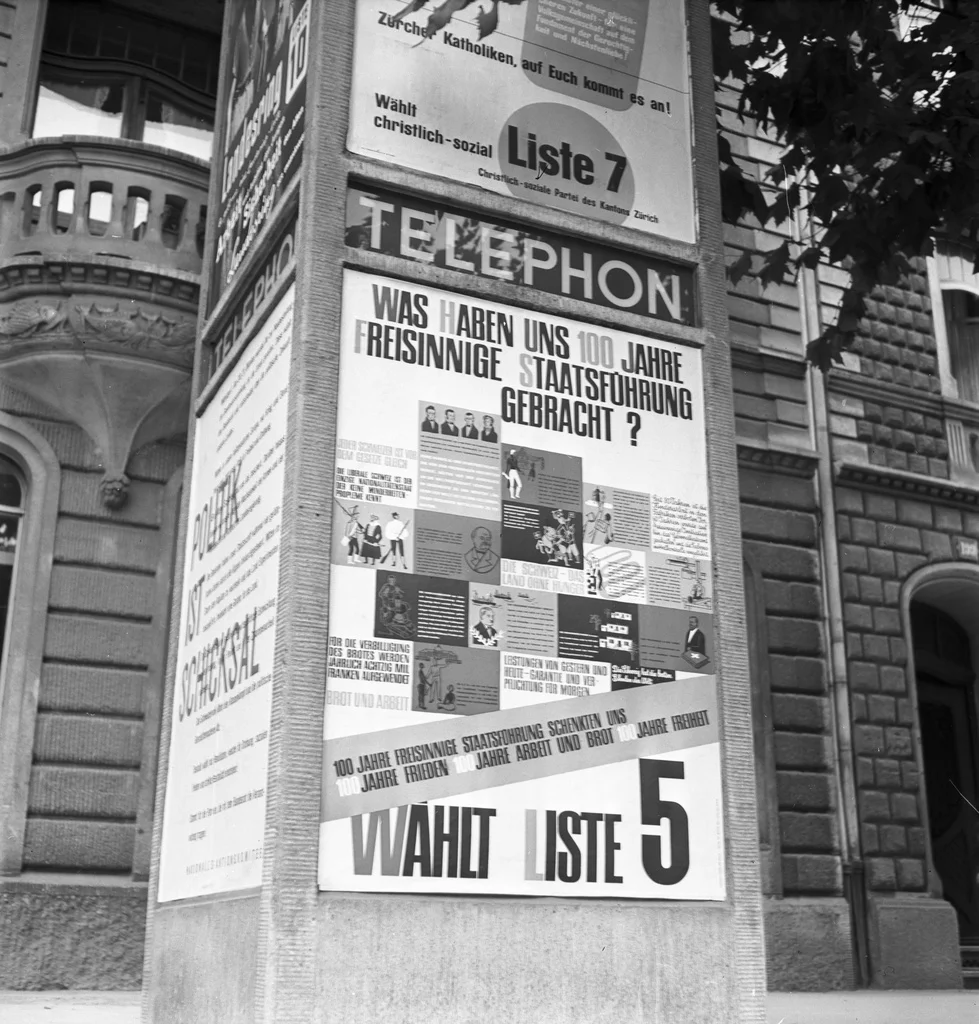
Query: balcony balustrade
point(101, 245)
point(75, 198)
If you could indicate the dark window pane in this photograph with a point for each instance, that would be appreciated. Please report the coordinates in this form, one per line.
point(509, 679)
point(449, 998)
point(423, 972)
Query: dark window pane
point(84, 38)
point(112, 43)
point(56, 31)
point(6, 578)
point(168, 52)
point(11, 494)
point(9, 526)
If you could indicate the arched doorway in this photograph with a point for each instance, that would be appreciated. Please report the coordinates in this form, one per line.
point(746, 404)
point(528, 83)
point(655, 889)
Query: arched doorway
point(948, 715)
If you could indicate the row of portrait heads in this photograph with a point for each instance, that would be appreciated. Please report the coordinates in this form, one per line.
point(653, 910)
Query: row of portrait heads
point(475, 426)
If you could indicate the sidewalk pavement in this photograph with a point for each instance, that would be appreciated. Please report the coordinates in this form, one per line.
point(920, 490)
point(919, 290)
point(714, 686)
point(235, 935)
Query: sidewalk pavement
point(783, 1007)
point(873, 1007)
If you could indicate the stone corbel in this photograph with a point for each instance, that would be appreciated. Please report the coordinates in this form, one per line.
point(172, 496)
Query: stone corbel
point(121, 402)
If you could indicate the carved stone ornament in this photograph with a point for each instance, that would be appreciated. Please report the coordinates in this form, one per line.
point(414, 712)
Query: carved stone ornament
point(125, 325)
point(31, 317)
point(114, 491)
point(133, 327)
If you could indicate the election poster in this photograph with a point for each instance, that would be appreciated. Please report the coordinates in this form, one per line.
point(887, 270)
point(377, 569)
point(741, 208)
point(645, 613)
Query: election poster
point(577, 105)
point(264, 100)
point(214, 811)
point(520, 678)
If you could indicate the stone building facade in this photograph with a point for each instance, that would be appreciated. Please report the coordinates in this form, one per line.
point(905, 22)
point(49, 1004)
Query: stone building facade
point(100, 258)
point(860, 523)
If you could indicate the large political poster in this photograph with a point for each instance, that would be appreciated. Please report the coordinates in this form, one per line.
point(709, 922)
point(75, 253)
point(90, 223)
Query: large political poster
point(214, 811)
point(579, 105)
point(520, 692)
point(264, 97)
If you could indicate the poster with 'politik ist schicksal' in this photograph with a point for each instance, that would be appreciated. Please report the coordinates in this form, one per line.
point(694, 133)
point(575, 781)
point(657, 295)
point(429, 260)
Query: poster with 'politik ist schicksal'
point(576, 105)
point(520, 693)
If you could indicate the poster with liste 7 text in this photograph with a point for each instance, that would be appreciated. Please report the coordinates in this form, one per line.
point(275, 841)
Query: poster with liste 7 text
point(520, 683)
point(577, 105)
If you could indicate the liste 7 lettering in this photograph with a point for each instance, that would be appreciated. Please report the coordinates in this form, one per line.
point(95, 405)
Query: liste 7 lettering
point(560, 160)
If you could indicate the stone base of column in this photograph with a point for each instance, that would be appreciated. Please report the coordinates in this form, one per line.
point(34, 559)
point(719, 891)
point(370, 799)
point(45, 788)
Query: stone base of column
point(914, 942)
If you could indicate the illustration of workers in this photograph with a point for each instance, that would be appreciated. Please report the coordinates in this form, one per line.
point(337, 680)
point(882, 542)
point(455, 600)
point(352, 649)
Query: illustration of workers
point(370, 549)
point(422, 685)
point(395, 532)
point(352, 532)
point(598, 522)
point(394, 609)
point(512, 474)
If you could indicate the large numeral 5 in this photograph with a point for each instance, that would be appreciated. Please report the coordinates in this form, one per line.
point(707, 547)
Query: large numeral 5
point(654, 810)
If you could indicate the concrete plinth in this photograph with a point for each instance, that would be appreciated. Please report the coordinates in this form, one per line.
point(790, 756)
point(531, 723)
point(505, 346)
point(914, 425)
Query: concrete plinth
point(914, 942)
point(71, 935)
point(808, 945)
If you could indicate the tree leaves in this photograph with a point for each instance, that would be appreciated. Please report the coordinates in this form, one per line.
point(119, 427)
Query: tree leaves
point(880, 130)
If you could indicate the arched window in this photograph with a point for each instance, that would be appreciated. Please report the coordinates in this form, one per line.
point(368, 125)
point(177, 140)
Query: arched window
point(12, 500)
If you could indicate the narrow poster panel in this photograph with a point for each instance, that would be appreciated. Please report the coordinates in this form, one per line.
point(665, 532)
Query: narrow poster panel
point(264, 97)
point(214, 814)
point(577, 105)
point(520, 691)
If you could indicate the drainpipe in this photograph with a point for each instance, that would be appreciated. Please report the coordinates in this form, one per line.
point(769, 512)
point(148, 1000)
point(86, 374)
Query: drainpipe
point(854, 889)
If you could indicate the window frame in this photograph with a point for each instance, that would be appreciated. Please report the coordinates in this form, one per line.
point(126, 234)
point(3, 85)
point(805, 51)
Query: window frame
point(137, 83)
point(21, 677)
point(938, 284)
point(19, 511)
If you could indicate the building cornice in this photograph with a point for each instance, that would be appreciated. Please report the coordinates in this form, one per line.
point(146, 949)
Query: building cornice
point(767, 362)
point(881, 478)
point(786, 461)
point(846, 382)
point(105, 276)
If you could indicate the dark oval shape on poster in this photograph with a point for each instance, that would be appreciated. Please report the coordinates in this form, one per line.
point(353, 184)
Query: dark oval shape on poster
point(563, 157)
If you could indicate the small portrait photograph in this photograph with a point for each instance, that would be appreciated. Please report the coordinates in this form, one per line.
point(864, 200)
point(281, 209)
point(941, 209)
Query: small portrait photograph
point(430, 424)
point(695, 644)
point(488, 430)
point(488, 616)
point(481, 558)
point(448, 424)
point(456, 421)
point(469, 430)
